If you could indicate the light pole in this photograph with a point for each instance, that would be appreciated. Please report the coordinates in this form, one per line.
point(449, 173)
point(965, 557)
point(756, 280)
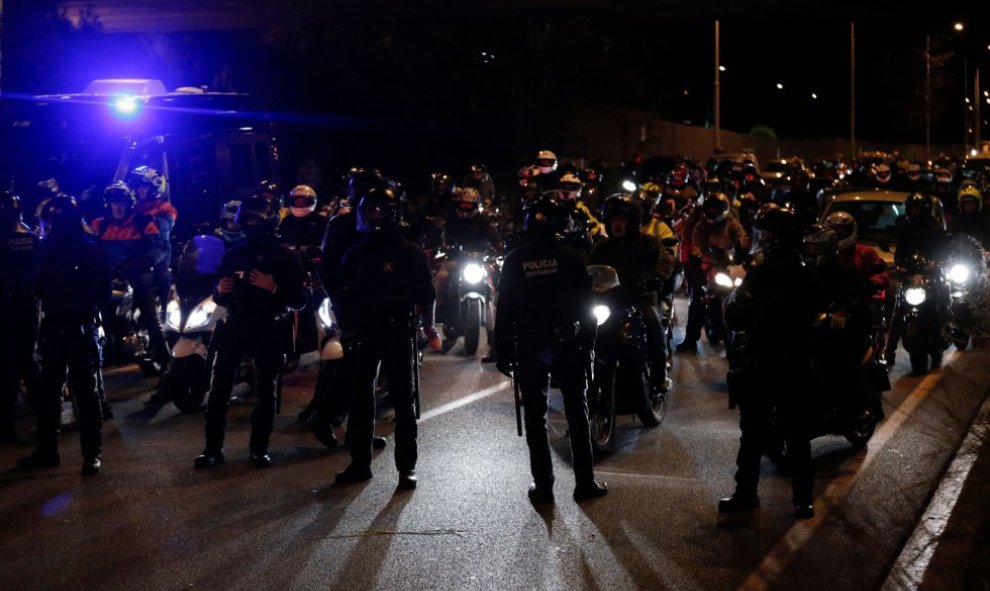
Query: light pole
point(852, 88)
point(928, 97)
point(718, 92)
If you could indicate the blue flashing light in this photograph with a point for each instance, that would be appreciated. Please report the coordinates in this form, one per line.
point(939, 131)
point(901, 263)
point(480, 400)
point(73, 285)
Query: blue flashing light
point(125, 106)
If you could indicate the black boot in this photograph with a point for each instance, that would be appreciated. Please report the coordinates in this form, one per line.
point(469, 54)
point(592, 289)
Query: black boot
point(209, 459)
point(590, 490)
point(407, 480)
point(39, 458)
point(540, 495)
point(738, 503)
point(91, 466)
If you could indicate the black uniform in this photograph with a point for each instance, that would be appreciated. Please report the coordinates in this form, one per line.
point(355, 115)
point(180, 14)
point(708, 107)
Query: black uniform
point(776, 305)
point(19, 255)
point(303, 234)
point(382, 280)
point(74, 281)
point(544, 320)
point(257, 325)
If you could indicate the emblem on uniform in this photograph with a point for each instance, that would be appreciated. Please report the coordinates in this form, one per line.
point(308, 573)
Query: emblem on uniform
point(389, 267)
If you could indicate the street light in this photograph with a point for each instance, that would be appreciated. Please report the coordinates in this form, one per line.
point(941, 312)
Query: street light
point(814, 96)
point(959, 26)
point(780, 86)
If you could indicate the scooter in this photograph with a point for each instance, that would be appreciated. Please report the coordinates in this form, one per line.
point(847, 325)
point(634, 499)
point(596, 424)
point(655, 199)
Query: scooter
point(622, 378)
point(190, 318)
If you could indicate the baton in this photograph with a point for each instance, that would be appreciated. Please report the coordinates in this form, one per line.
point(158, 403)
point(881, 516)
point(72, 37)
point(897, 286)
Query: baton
point(415, 364)
point(515, 384)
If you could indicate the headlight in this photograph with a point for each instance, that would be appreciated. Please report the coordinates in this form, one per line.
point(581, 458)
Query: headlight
point(959, 273)
point(723, 280)
point(915, 295)
point(629, 186)
point(200, 316)
point(173, 315)
point(326, 316)
point(601, 314)
point(737, 281)
point(473, 273)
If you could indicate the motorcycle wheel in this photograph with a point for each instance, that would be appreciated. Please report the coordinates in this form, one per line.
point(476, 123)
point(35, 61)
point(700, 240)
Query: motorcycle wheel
point(861, 430)
point(919, 362)
point(601, 406)
point(148, 367)
point(187, 382)
point(656, 412)
point(472, 327)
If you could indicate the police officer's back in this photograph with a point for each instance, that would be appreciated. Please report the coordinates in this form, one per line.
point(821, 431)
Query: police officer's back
point(544, 321)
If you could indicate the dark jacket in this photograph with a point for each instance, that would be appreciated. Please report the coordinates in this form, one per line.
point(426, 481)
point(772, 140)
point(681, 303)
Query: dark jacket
point(251, 304)
point(639, 259)
point(74, 278)
point(19, 256)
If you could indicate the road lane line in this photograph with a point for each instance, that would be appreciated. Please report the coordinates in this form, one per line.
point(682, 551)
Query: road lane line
point(479, 395)
point(774, 563)
point(909, 570)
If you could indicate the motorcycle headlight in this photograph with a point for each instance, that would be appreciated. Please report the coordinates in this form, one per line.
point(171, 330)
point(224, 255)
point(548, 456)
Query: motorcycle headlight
point(737, 281)
point(959, 273)
point(200, 316)
point(601, 314)
point(473, 273)
point(723, 280)
point(325, 314)
point(173, 315)
point(915, 295)
point(629, 186)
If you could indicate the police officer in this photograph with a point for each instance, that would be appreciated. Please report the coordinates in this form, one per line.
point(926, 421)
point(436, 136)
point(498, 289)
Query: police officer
point(18, 273)
point(260, 281)
point(384, 279)
point(776, 305)
point(73, 281)
point(544, 322)
point(643, 265)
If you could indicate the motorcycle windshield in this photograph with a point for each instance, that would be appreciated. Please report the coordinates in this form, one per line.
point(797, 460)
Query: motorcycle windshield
point(199, 263)
point(603, 277)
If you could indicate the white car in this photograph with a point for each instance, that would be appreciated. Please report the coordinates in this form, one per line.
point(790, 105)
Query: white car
point(876, 212)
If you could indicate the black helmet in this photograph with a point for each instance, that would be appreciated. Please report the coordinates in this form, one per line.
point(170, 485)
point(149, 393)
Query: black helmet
point(145, 176)
point(919, 200)
point(712, 186)
point(378, 212)
point(622, 204)
point(544, 217)
point(777, 230)
point(257, 217)
point(820, 245)
point(715, 208)
point(267, 187)
point(119, 192)
point(442, 183)
point(360, 181)
point(61, 216)
point(10, 209)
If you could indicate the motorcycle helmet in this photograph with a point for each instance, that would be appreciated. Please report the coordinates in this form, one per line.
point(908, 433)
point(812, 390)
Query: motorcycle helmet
point(10, 209)
point(678, 176)
point(914, 171)
point(942, 175)
point(546, 161)
point(527, 174)
point(119, 192)
point(270, 191)
point(622, 205)
point(441, 183)
point(302, 201)
point(715, 208)
point(361, 181)
point(467, 201)
point(845, 226)
point(917, 206)
point(592, 175)
point(799, 180)
point(749, 173)
point(146, 183)
point(882, 174)
point(257, 218)
point(969, 195)
point(712, 186)
point(569, 188)
point(544, 218)
point(229, 228)
point(648, 196)
point(61, 216)
point(819, 246)
point(777, 231)
point(379, 212)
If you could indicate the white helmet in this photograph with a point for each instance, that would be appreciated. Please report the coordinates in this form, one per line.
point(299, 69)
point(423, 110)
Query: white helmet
point(845, 227)
point(569, 187)
point(302, 200)
point(546, 161)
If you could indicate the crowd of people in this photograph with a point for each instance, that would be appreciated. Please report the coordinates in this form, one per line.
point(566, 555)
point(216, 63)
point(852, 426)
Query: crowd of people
point(372, 247)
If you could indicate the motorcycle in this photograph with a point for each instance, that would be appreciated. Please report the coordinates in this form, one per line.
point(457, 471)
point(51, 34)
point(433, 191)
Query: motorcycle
point(621, 381)
point(306, 323)
point(190, 318)
point(923, 296)
point(966, 271)
point(716, 264)
point(469, 293)
point(122, 339)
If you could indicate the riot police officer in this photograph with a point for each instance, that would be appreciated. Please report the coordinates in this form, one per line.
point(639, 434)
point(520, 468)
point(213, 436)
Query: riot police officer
point(18, 273)
point(384, 279)
point(74, 280)
point(260, 281)
point(544, 322)
point(776, 305)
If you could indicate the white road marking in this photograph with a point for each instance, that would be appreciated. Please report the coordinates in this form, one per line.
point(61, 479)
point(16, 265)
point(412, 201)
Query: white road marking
point(909, 570)
point(479, 395)
point(774, 563)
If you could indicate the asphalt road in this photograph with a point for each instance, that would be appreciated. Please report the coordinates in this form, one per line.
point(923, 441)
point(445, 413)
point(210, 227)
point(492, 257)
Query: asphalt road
point(149, 521)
